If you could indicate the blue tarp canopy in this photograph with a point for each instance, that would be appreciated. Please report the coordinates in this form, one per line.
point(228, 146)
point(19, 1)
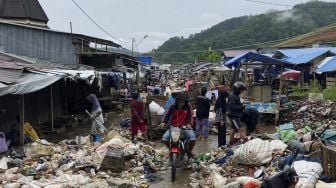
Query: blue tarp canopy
point(304, 55)
point(327, 65)
point(145, 60)
point(305, 58)
point(290, 53)
point(251, 56)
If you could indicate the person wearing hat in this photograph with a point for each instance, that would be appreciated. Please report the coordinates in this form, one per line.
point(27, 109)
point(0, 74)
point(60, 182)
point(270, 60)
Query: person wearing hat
point(180, 115)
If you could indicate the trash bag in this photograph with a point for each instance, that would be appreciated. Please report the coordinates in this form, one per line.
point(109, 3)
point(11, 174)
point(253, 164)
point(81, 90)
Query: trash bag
point(156, 108)
point(17, 153)
point(218, 180)
point(37, 149)
point(29, 131)
point(308, 172)
point(282, 179)
point(125, 123)
point(287, 135)
point(3, 163)
point(3, 143)
point(258, 152)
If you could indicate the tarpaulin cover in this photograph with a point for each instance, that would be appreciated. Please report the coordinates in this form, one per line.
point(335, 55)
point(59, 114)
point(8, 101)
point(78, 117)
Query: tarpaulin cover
point(29, 83)
point(145, 60)
point(303, 51)
point(251, 56)
point(327, 65)
point(305, 58)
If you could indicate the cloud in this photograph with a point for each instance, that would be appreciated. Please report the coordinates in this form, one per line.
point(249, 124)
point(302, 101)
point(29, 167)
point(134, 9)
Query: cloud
point(288, 15)
point(208, 16)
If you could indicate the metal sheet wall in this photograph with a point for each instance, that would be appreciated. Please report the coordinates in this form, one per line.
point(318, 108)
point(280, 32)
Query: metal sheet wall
point(56, 47)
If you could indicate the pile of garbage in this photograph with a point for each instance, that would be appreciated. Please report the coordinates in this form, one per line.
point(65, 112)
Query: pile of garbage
point(82, 162)
point(318, 114)
point(291, 157)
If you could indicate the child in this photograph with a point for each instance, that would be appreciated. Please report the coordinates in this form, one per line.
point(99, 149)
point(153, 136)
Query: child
point(202, 115)
point(137, 120)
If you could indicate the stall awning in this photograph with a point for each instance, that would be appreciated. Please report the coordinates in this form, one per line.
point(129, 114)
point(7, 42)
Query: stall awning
point(305, 58)
point(29, 83)
point(290, 53)
point(327, 65)
point(251, 56)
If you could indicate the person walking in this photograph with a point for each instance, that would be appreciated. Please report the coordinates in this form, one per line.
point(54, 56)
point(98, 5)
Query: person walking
point(220, 109)
point(202, 115)
point(235, 112)
point(138, 118)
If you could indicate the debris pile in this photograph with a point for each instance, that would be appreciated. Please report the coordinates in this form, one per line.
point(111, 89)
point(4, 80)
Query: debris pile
point(83, 163)
point(317, 114)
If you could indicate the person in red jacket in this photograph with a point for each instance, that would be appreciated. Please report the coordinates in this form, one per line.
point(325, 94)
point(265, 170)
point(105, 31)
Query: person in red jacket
point(138, 117)
point(179, 115)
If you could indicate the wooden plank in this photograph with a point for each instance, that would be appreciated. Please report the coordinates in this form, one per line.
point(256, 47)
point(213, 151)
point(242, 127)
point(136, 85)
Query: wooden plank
point(22, 119)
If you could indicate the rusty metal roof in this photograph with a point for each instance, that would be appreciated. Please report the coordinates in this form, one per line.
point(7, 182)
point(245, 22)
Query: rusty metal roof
point(8, 76)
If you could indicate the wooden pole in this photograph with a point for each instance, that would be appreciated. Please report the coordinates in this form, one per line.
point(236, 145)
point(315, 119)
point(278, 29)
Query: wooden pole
point(52, 108)
point(22, 119)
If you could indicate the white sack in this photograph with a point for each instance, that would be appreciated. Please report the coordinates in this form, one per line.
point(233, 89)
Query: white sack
point(156, 108)
point(308, 172)
point(258, 152)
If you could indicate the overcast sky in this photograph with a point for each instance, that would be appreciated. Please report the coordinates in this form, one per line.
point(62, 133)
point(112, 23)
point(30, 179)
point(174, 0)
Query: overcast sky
point(159, 19)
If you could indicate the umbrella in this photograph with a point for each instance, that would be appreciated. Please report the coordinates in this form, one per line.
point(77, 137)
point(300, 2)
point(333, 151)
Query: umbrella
point(292, 75)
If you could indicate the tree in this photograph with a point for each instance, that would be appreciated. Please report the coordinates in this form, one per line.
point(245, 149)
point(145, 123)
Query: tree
point(210, 55)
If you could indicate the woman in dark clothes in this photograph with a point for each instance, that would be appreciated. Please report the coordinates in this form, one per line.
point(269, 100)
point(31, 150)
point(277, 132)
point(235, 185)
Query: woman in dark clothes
point(220, 109)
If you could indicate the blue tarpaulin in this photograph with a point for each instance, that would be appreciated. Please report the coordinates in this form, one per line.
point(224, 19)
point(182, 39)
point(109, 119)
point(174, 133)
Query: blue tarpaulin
point(251, 56)
point(327, 65)
point(145, 60)
point(305, 58)
point(290, 53)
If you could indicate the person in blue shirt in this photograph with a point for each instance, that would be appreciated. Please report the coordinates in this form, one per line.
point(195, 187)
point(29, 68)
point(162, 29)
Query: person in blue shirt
point(171, 101)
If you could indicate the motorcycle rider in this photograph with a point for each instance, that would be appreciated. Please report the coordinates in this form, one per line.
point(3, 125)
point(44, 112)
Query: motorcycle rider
point(179, 115)
point(235, 112)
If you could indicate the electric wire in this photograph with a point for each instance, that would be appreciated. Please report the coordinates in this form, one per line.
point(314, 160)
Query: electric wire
point(93, 21)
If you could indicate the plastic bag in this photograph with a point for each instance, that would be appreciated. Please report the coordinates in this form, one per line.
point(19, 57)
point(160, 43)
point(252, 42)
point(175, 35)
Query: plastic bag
point(37, 149)
point(3, 143)
point(156, 108)
point(218, 180)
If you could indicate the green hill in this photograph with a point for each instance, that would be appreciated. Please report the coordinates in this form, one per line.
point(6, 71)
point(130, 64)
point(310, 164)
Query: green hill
point(247, 31)
point(322, 35)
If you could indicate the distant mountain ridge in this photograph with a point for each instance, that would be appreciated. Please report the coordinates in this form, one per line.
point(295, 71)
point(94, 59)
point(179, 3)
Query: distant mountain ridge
point(249, 30)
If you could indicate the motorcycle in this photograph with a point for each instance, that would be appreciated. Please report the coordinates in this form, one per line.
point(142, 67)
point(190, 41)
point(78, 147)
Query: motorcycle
point(177, 150)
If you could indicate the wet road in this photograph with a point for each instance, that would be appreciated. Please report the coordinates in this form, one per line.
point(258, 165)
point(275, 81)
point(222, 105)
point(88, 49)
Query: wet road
point(182, 179)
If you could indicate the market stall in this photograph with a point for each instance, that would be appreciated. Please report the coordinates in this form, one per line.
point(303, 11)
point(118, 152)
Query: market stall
point(260, 71)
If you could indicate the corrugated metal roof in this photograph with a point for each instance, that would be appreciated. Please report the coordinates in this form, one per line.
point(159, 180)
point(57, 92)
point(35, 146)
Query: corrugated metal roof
point(29, 83)
point(303, 51)
point(234, 53)
point(22, 9)
point(327, 65)
point(305, 58)
point(10, 75)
